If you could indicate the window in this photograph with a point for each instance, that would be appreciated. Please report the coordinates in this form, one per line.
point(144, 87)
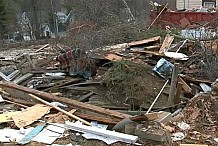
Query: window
point(209, 4)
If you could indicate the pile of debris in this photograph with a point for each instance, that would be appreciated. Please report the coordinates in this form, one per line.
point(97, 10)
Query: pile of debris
point(51, 93)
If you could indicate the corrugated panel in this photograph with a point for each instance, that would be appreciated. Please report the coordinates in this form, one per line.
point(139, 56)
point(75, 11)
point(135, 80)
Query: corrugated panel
point(189, 4)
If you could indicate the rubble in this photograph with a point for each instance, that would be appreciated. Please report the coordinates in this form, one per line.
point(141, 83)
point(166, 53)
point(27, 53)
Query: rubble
point(125, 86)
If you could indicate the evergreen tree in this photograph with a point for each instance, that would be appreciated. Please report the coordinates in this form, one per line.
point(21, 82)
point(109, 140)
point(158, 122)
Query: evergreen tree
point(6, 16)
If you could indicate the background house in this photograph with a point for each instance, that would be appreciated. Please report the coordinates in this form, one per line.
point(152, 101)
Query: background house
point(193, 4)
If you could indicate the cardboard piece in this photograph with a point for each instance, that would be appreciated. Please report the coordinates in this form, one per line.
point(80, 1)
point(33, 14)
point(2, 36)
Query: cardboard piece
point(30, 115)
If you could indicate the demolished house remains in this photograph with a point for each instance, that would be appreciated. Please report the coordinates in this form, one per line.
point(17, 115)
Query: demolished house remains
point(156, 91)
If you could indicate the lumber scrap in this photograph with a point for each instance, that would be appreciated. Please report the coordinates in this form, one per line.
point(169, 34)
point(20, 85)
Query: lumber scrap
point(45, 46)
point(85, 97)
point(113, 57)
point(70, 102)
point(149, 52)
point(20, 101)
point(152, 47)
point(178, 93)
point(21, 105)
point(62, 83)
point(145, 41)
point(185, 86)
point(60, 110)
point(30, 61)
point(166, 43)
point(196, 81)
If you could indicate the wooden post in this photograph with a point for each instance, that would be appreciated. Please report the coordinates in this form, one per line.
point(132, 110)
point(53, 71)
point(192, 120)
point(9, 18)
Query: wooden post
point(173, 84)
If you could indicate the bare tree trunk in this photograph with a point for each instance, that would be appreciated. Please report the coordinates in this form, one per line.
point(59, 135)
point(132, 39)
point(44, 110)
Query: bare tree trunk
point(35, 19)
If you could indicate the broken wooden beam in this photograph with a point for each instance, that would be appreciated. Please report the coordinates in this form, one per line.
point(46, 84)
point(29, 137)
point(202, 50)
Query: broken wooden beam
point(70, 102)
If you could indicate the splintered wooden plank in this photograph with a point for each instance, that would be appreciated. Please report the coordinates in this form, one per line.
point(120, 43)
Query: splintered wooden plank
point(185, 86)
point(142, 42)
point(166, 43)
point(70, 102)
point(113, 57)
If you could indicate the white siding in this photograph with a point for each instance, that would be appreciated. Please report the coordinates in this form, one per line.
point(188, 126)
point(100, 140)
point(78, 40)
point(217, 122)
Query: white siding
point(188, 4)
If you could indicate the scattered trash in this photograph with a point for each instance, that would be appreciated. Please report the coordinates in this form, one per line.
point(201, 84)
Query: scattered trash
point(33, 133)
point(215, 139)
point(183, 126)
point(12, 135)
point(177, 56)
point(1, 99)
point(105, 135)
point(115, 86)
point(50, 133)
point(205, 87)
point(58, 104)
point(178, 136)
point(164, 68)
